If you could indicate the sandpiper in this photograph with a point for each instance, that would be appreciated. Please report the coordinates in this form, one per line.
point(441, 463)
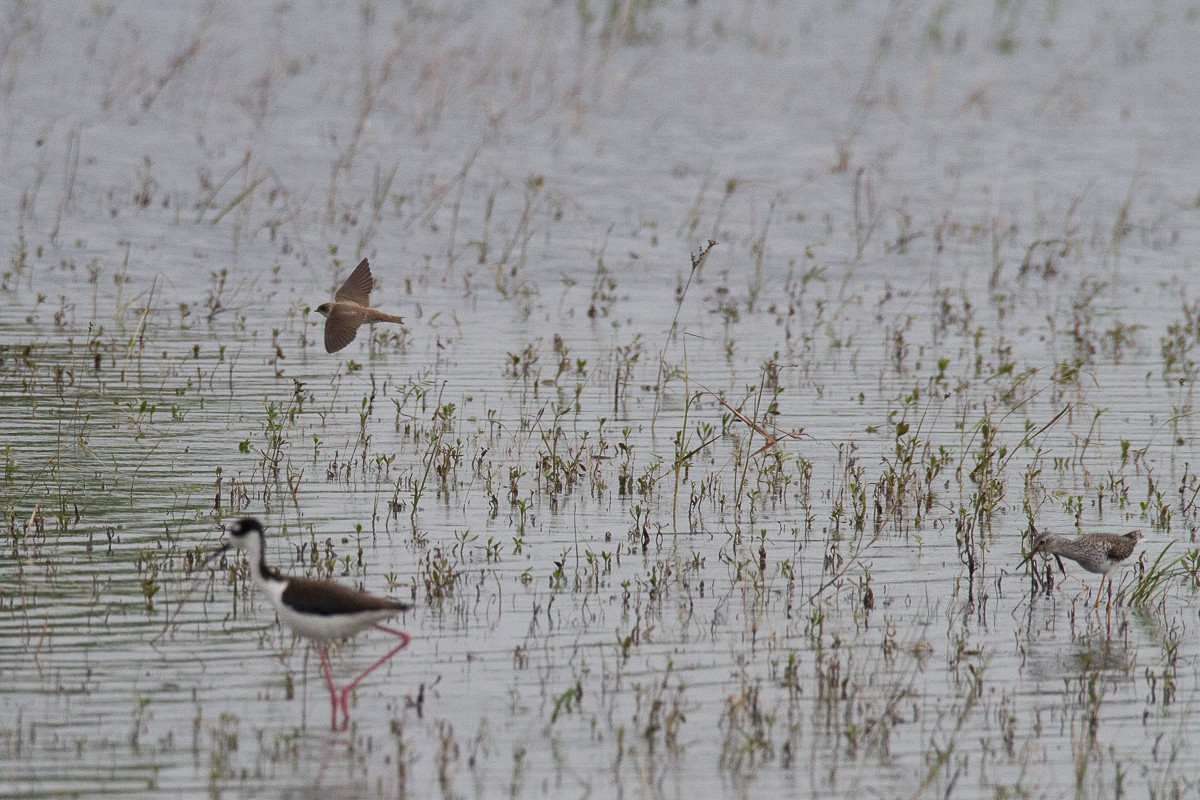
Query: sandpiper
point(1096, 552)
point(322, 611)
point(351, 308)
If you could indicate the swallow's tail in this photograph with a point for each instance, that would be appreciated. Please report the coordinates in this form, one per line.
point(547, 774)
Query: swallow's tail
point(379, 316)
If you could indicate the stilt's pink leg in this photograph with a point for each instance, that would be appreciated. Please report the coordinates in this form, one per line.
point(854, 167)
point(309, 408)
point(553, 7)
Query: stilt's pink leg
point(333, 696)
point(345, 694)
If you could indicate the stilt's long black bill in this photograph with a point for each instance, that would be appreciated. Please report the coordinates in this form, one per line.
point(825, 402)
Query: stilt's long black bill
point(219, 551)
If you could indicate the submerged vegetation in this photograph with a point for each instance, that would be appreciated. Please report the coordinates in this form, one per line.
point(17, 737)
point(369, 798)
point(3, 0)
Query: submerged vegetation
point(699, 475)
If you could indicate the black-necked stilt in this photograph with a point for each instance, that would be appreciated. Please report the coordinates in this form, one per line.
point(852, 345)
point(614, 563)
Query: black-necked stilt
point(319, 610)
point(1100, 553)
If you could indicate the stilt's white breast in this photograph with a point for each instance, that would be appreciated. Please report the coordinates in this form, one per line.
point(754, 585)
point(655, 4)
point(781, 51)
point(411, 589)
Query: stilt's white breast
point(327, 627)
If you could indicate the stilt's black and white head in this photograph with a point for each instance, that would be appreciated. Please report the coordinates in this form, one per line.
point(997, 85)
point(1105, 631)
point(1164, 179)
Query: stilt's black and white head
point(244, 534)
point(245, 530)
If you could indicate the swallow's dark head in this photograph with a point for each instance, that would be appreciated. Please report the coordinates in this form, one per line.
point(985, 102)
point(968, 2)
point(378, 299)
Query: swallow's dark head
point(324, 309)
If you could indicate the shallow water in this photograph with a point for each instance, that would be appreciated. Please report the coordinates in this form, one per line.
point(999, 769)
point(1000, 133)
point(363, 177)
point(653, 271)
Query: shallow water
point(952, 277)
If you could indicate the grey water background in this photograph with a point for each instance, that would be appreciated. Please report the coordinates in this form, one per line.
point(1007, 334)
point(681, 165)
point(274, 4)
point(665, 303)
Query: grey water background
point(965, 229)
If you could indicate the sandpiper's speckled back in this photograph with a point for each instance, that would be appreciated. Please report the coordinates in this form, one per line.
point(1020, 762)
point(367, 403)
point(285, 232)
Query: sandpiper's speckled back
point(1095, 552)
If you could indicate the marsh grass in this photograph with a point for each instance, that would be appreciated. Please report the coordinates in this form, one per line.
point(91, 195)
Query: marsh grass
point(1162, 575)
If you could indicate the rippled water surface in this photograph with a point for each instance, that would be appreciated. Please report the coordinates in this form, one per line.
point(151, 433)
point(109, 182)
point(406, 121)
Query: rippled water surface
point(744, 345)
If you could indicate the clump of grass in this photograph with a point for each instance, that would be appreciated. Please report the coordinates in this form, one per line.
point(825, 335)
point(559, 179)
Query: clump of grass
point(1155, 580)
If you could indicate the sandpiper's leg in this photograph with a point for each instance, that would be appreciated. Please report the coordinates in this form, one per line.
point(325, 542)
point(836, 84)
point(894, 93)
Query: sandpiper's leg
point(333, 697)
point(1099, 591)
point(404, 640)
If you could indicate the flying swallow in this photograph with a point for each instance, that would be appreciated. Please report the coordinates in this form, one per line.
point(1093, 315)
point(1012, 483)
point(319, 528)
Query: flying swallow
point(351, 308)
